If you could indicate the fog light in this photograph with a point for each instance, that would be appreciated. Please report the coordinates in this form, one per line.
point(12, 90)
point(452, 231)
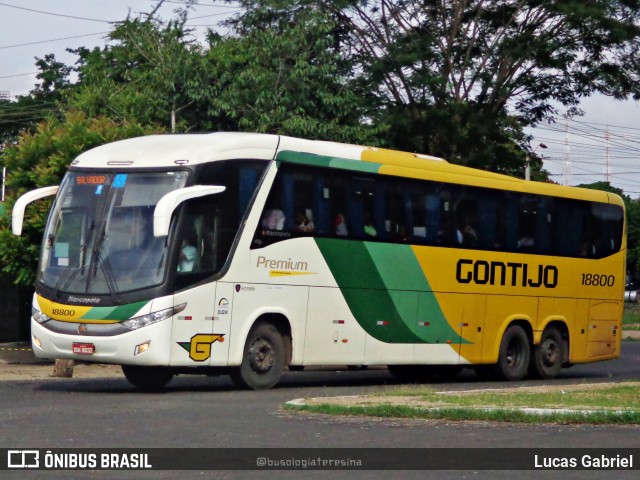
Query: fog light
point(36, 340)
point(143, 347)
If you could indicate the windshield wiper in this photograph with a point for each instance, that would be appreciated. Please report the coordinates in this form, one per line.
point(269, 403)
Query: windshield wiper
point(98, 259)
point(58, 286)
point(109, 277)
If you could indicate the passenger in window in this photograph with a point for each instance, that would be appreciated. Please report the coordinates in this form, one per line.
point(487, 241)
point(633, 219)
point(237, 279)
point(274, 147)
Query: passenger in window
point(340, 225)
point(188, 253)
point(467, 237)
point(585, 250)
point(273, 219)
point(526, 243)
point(401, 235)
point(302, 222)
point(369, 229)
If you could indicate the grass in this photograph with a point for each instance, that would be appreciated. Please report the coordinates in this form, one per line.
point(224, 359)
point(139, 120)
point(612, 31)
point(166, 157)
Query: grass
point(631, 319)
point(600, 404)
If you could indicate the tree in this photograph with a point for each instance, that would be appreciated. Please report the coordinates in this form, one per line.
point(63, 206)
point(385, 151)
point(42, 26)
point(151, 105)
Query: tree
point(282, 72)
point(42, 101)
point(461, 78)
point(152, 73)
point(39, 159)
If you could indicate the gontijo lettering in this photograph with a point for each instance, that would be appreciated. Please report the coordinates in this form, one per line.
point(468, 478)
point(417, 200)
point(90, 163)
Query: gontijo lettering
point(482, 272)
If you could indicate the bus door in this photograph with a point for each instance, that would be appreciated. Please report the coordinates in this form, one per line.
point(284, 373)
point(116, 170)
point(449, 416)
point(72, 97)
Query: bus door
point(198, 338)
point(200, 332)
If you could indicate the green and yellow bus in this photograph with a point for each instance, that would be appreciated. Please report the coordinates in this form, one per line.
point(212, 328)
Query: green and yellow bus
point(244, 254)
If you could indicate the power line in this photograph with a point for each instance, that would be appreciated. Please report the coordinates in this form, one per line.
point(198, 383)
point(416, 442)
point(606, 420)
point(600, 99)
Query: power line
point(20, 75)
point(55, 14)
point(52, 40)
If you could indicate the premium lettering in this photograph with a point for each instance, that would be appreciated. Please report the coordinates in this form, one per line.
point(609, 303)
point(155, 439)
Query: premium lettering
point(264, 262)
point(482, 272)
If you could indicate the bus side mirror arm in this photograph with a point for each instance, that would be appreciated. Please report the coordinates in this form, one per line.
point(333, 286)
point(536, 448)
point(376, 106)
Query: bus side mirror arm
point(17, 214)
point(167, 205)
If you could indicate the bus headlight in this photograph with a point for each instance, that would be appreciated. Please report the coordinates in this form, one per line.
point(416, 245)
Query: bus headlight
point(151, 318)
point(38, 316)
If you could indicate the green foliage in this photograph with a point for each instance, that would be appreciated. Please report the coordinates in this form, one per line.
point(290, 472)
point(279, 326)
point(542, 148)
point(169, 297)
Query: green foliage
point(283, 73)
point(41, 159)
point(42, 102)
point(152, 73)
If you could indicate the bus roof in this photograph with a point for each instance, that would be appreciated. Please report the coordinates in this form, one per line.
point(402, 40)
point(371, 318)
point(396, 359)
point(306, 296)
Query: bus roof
point(157, 151)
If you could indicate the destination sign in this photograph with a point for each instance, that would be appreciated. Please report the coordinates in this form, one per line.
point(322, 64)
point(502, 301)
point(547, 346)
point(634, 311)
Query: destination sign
point(91, 179)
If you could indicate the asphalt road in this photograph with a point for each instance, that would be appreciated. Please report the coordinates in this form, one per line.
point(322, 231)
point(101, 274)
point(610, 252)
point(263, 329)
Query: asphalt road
point(210, 412)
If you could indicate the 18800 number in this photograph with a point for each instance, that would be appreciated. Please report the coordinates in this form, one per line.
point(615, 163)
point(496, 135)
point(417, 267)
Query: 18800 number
point(595, 280)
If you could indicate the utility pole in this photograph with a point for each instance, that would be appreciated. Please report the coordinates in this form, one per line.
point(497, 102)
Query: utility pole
point(566, 174)
point(607, 156)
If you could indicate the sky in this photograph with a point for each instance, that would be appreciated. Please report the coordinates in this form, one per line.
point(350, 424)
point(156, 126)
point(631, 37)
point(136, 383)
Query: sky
point(602, 145)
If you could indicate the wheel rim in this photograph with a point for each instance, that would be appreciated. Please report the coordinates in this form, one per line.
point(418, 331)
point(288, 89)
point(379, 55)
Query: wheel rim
point(514, 355)
point(261, 356)
point(550, 352)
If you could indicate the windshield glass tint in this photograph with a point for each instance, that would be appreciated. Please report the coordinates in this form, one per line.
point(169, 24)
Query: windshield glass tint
point(99, 238)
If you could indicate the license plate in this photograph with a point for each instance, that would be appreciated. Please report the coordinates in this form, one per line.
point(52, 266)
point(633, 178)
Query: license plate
point(84, 348)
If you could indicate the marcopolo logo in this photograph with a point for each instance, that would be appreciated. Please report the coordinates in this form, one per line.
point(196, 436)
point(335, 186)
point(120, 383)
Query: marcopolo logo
point(482, 272)
point(84, 300)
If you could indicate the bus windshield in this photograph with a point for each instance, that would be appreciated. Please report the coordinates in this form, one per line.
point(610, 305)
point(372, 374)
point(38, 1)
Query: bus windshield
point(99, 238)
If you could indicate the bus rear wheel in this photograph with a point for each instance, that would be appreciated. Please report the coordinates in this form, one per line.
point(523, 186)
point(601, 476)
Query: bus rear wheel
point(515, 352)
point(147, 378)
point(263, 359)
point(547, 357)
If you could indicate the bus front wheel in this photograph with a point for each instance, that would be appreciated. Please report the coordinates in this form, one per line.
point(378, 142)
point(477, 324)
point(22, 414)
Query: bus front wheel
point(547, 357)
point(263, 359)
point(147, 378)
point(515, 352)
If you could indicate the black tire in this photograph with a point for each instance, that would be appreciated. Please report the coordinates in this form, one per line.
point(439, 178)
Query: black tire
point(515, 352)
point(149, 379)
point(548, 356)
point(263, 358)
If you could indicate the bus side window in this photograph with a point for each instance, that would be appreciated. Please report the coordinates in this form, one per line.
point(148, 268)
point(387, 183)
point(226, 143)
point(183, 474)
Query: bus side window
point(605, 228)
point(273, 219)
point(321, 193)
point(487, 214)
point(570, 230)
point(527, 221)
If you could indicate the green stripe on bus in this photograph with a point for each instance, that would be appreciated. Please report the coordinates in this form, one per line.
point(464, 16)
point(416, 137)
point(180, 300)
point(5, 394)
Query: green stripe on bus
point(123, 312)
point(328, 162)
point(386, 291)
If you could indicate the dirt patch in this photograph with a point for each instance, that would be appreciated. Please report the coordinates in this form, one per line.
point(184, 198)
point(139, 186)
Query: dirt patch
point(43, 371)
